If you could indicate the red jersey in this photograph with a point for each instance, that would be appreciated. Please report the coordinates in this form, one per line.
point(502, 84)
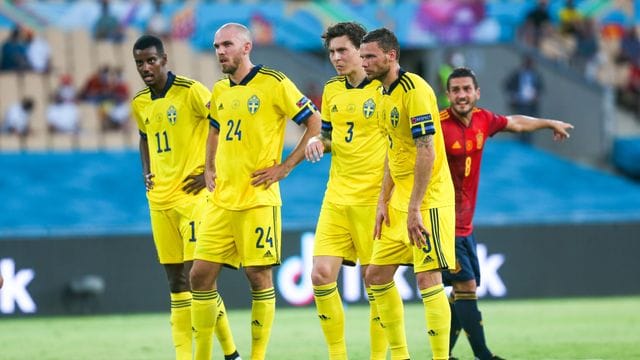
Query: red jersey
point(464, 147)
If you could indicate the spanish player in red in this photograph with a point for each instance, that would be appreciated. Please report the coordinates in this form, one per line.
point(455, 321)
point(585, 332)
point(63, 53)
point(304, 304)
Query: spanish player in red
point(466, 129)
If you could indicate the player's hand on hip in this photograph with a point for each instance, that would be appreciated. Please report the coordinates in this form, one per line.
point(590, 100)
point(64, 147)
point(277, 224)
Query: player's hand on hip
point(314, 150)
point(193, 184)
point(148, 181)
point(267, 176)
point(417, 232)
point(210, 179)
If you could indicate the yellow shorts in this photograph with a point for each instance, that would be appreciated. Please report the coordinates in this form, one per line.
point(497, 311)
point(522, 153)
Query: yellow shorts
point(174, 230)
point(394, 248)
point(247, 237)
point(345, 231)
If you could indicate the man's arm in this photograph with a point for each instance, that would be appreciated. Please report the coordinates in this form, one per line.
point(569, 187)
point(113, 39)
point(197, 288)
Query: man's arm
point(425, 157)
point(523, 123)
point(210, 158)
point(318, 145)
point(270, 175)
point(382, 212)
point(146, 163)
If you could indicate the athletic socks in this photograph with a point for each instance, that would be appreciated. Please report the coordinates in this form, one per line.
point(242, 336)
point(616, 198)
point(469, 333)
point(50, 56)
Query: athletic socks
point(456, 327)
point(204, 311)
point(391, 311)
point(331, 315)
point(263, 308)
point(223, 332)
point(438, 318)
point(378, 340)
point(181, 324)
point(466, 308)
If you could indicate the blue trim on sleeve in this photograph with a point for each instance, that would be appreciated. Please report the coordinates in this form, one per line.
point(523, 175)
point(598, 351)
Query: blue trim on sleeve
point(326, 126)
point(213, 122)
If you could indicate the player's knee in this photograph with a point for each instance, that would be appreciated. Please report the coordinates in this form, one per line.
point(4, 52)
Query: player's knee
point(467, 286)
point(375, 276)
point(200, 279)
point(321, 275)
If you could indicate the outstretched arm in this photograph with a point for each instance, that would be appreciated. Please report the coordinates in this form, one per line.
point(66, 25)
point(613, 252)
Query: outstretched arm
point(275, 173)
point(523, 123)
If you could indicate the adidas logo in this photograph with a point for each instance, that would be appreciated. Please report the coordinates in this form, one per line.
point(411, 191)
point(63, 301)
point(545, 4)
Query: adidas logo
point(146, 121)
point(268, 254)
point(432, 333)
point(220, 314)
point(220, 107)
point(334, 108)
point(324, 317)
point(427, 259)
point(256, 323)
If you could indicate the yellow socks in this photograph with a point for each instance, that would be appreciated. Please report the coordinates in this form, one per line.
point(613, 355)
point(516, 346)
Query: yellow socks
point(204, 311)
point(181, 324)
point(331, 314)
point(438, 317)
point(223, 330)
point(378, 340)
point(391, 311)
point(263, 309)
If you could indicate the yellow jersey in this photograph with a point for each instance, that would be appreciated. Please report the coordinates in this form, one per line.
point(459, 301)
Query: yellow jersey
point(358, 144)
point(175, 126)
point(411, 111)
point(251, 119)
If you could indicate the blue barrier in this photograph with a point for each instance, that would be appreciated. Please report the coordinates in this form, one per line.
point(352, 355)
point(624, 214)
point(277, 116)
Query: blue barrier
point(101, 193)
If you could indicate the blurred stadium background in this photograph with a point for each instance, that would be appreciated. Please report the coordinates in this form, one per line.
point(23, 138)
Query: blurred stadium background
point(553, 220)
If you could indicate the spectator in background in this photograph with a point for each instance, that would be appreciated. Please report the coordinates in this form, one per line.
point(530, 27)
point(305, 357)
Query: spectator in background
point(97, 88)
point(38, 52)
point(454, 59)
point(107, 27)
point(66, 90)
point(631, 44)
point(535, 22)
point(158, 24)
point(14, 52)
point(570, 18)
point(524, 87)
point(62, 116)
point(114, 114)
point(17, 118)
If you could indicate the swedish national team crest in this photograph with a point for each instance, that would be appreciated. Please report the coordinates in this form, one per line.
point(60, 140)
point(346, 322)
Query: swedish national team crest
point(368, 108)
point(253, 104)
point(395, 117)
point(172, 115)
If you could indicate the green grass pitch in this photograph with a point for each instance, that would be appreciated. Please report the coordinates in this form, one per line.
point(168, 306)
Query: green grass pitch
point(563, 329)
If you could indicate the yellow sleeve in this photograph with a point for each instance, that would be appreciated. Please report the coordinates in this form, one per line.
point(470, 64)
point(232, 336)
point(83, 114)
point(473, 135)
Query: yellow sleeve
point(293, 103)
point(423, 109)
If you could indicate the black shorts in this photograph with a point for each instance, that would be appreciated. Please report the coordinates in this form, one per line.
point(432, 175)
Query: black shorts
point(467, 266)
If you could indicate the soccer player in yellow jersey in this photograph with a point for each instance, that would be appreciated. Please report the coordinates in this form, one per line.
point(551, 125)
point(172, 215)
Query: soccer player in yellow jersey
point(344, 233)
point(171, 113)
point(415, 220)
point(242, 226)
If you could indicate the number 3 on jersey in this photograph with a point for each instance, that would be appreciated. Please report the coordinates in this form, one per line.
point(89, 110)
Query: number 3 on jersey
point(234, 130)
